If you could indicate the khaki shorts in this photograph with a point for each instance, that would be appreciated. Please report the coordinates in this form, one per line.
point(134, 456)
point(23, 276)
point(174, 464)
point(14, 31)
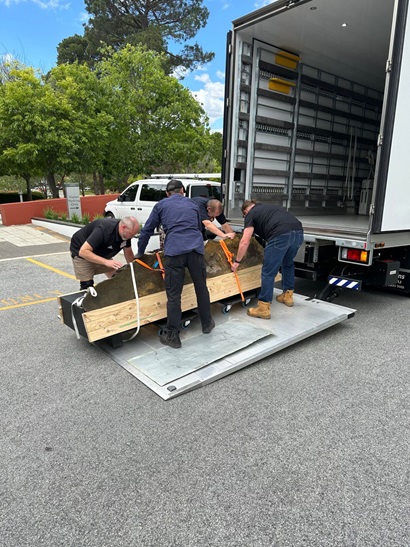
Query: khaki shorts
point(85, 271)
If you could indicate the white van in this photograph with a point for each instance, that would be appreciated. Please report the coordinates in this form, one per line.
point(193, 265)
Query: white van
point(139, 198)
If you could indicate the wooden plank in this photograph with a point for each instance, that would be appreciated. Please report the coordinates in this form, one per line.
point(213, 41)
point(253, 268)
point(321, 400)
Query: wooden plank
point(122, 317)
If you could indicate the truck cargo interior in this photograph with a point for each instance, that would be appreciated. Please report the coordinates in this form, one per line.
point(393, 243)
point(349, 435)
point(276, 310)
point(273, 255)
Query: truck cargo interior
point(309, 83)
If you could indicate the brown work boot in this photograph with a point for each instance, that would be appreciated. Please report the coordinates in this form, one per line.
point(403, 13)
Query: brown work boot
point(286, 298)
point(262, 310)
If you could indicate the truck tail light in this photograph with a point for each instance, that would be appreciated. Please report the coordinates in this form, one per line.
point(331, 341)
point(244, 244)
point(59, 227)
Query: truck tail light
point(355, 255)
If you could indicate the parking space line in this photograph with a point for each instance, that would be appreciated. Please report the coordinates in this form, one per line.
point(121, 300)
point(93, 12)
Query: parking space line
point(29, 256)
point(50, 268)
point(28, 304)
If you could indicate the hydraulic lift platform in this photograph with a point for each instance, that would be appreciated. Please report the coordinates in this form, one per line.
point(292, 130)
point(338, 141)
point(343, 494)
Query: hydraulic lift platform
point(236, 342)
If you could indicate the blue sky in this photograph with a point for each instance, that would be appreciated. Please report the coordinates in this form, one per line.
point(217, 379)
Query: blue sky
point(31, 30)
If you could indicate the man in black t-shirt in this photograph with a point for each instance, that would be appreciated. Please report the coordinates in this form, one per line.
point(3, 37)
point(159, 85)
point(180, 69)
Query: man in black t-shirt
point(210, 210)
point(283, 234)
point(93, 247)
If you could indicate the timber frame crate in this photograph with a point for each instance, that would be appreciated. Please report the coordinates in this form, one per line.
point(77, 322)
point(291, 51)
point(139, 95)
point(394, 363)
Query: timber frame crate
point(110, 321)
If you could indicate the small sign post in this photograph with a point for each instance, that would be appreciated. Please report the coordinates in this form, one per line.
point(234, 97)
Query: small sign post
point(73, 199)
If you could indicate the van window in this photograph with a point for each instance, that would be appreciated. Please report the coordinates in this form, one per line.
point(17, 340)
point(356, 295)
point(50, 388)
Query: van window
point(206, 191)
point(153, 192)
point(130, 193)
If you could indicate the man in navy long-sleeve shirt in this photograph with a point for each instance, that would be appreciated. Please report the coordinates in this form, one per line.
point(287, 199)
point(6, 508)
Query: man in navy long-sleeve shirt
point(183, 248)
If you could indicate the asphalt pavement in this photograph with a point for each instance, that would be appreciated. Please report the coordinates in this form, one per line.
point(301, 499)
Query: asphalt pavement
point(309, 447)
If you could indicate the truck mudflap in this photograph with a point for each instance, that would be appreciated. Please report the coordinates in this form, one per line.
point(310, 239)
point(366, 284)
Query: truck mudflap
point(403, 282)
point(237, 341)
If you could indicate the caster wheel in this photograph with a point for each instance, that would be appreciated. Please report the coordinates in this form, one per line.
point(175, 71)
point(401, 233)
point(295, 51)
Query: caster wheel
point(185, 324)
point(246, 302)
point(160, 331)
point(226, 309)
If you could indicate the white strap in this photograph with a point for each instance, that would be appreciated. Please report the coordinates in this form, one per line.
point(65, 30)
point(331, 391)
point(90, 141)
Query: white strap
point(78, 302)
point(134, 284)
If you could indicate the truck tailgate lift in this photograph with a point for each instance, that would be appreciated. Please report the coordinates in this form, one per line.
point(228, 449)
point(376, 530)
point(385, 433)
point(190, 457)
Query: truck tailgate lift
point(236, 342)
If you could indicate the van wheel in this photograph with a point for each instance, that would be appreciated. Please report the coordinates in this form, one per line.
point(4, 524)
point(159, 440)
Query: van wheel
point(108, 215)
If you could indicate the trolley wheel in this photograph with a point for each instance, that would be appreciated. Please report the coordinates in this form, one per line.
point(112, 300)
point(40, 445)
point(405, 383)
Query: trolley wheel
point(246, 302)
point(185, 324)
point(160, 331)
point(227, 308)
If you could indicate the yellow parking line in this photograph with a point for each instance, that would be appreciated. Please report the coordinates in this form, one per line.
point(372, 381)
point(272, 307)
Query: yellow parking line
point(50, 268)
point(28, 304)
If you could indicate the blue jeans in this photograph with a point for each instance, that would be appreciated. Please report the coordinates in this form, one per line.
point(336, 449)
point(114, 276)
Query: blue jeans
point(279, 253)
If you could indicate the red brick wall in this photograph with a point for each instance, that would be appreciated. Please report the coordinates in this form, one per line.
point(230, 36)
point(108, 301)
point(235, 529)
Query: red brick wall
point(23, 212)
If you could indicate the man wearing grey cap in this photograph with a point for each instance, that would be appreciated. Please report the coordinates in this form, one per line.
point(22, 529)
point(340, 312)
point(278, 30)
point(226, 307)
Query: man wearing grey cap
point(183, 248)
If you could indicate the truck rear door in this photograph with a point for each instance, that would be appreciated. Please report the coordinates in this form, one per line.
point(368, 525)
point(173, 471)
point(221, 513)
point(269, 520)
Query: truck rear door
point(391, 201)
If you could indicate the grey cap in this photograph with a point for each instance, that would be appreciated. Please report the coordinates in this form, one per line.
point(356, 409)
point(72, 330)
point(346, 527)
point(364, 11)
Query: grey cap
point(174, 184)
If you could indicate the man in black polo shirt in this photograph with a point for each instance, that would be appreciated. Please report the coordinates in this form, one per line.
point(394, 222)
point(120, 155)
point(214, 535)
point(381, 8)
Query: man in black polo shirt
point(283, 234)
point(211, 209)
point(94, 246)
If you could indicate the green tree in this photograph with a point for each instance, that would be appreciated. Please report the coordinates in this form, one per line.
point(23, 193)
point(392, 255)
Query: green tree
point(60, 138)
point(52, 127)
point(212, 159)
point(7, 65)
point(126, 116)
point(92, 117)
point(157, 24)
point(74, 49)
point(157, 119)
point(20, 92)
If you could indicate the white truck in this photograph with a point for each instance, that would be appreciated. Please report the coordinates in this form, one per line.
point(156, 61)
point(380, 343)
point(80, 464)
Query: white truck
point(317, 108)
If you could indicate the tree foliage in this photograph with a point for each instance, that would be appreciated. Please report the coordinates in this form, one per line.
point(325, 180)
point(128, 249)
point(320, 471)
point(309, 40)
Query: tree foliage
point(158, 118)
point(75, 49)
point(20, 120)
point(124, 117)
point(156, 24)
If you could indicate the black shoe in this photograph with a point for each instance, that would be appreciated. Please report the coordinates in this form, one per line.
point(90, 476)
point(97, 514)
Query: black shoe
point(207, 330)
point(170, 338)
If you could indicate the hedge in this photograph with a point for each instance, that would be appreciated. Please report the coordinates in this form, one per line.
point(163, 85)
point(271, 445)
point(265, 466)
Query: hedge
point(14, 197)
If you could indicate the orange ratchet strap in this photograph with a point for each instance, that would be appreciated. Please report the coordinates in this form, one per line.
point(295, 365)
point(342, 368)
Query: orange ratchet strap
point(229, 256)
point(160, 265)
point(160, 270)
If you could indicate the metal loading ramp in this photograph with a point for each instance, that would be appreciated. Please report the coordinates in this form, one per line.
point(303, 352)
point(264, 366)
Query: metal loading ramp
point(236, 342)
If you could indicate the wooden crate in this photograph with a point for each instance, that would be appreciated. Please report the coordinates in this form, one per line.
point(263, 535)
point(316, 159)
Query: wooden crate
point(117, 318)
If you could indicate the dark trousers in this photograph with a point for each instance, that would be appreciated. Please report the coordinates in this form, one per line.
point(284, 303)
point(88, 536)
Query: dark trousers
point(174, 281)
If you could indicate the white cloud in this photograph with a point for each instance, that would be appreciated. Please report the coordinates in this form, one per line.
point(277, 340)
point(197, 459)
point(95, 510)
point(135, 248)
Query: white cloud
point(180, 72)
point(46, 4)
point(7, 58)
point(84, 17)
point(203, 78)
point(262, 3)
point(211, 96)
